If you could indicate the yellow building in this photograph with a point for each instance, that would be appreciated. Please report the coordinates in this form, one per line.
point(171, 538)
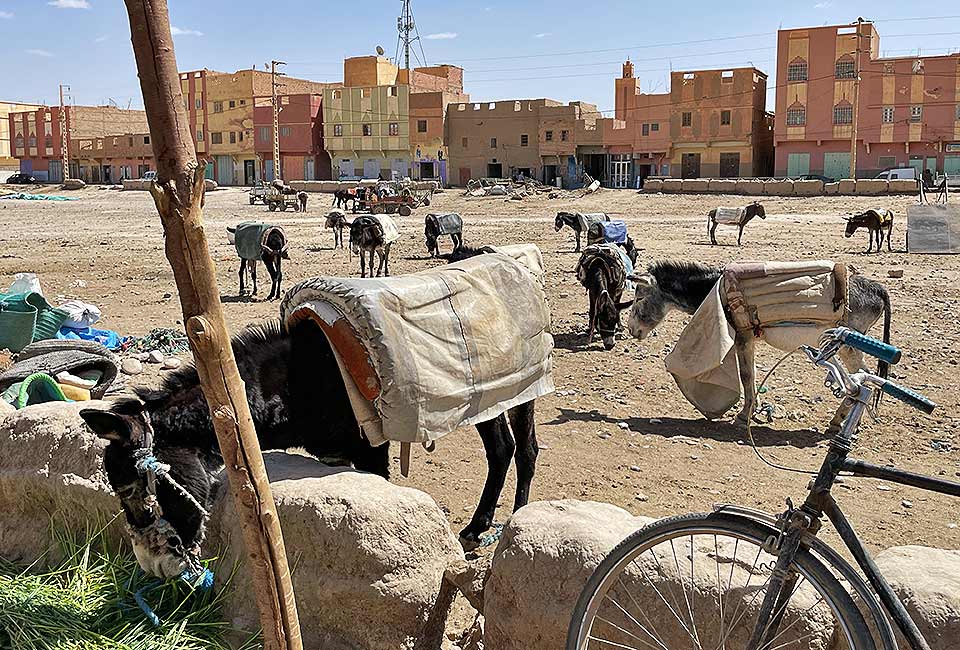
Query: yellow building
point(7, 161)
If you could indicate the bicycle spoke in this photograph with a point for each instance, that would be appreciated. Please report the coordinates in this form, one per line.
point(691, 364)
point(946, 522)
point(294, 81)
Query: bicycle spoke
point(716, 551)
point(762, 588)
point(676, 561)
point(630, 634)
point(672, 610)
point(735, 619)
point(640, 609)
point(610, 643)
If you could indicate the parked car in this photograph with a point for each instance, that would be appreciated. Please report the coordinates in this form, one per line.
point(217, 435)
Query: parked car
point(814, 177)
point(900, 173)
point(149, 176)
point(21, 179)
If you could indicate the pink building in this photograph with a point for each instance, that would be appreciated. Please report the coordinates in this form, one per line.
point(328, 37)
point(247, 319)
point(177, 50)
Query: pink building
point(301, 137)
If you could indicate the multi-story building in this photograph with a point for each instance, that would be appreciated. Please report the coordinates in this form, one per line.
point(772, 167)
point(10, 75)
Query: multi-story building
point(36, 139)
point(538, 138)
point(301, 137)
point(111, 158)
point(907, 109)
point(388, 122)
point(221, 108)
point(7, 160)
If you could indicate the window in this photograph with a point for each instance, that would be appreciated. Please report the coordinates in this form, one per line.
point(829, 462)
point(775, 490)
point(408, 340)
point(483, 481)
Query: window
point(548, 136)
point(797, 70)
point(797, 116)
point(337, 94)
point(199, 135)
point(726, 77)
point(845, 69)
point(655, 126)
point(394, 128)
point(645, 129)
point(233, 137)
point(725, 118)
point(887, 162)
point(957, 116)
point(916, 113)
point(243, 102)
point(199, 104)
point(217, 107)
point(366, 92)
point(421, 126)
point(493, 143)
point(392, 91)
point(368, 129)
point(463, 142)
point(888, 114)
point(146, 139)
point(215, 138)
point(524, 140)
point(285, 131)
point(337, 130)
point(686, 119)
point(233, 104)
point(843, 114)
point(263, 133)
point(129, 142)
point(565, 135)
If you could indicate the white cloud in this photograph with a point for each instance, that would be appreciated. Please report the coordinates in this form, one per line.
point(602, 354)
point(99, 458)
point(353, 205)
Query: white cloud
point(541, 35)
point(101, 39)
point(39, 53)
point(441, 36)
point(69, 4)
point(6, 15)
point(176, 31)
point(823, 5)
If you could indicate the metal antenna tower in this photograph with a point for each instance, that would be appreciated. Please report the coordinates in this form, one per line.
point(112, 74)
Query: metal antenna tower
point(409, 34)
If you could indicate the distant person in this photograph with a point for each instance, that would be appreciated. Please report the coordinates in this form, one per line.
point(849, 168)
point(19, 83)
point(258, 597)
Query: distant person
point(928, 182)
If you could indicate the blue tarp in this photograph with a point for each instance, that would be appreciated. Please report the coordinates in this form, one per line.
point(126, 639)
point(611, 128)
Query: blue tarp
point(614, 232)
point(108, 338)
point(23, 196)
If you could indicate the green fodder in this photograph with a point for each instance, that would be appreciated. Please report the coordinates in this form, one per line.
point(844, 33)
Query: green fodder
point(86, 602)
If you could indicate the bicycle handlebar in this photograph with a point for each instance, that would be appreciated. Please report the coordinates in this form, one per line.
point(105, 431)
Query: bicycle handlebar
point(868, 345)
point(908, 396)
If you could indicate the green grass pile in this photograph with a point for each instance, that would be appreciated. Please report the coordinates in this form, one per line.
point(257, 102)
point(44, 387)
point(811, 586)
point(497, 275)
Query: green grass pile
point(86, 602)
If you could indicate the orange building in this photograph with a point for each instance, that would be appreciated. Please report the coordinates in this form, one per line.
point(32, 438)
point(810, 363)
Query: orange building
point(908, 108)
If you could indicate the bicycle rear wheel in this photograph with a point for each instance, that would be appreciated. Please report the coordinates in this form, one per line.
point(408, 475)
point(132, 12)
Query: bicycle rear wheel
point(697, 582)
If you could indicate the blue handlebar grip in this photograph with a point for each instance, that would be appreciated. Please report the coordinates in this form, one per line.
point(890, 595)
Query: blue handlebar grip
point(871, 346)
point(908, 396)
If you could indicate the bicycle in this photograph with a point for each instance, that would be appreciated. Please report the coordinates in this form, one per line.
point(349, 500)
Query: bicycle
point(791, 594)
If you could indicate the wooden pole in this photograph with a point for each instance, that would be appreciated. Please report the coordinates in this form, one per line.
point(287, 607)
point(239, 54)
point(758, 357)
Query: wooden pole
point(856, 105)
point(178, 194)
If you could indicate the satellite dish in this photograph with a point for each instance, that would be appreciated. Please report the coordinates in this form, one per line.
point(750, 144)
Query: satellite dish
point(380, 50)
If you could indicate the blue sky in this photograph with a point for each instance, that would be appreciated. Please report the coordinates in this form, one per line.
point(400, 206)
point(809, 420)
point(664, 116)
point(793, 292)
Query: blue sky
point(561, 49)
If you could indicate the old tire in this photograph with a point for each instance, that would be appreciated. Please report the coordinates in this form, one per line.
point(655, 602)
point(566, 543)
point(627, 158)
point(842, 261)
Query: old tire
point(592, 617)
point(405, 211)
point(426, 201)
point(283, 207)
point(252, 200)
point(272, 206)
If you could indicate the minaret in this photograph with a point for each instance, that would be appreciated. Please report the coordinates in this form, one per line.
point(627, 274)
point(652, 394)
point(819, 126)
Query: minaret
point(626, 89)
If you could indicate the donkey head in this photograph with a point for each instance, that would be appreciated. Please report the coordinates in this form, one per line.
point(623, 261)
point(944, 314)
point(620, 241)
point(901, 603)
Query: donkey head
point(561, 220)
point(431, 234)
point(853, 223)
point(275, 246)
point(649, 306)
point(757, 208)
point(606, 310)
point(165, 526)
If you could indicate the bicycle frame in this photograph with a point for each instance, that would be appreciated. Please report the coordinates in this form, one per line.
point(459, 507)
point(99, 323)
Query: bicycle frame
point(796, 523)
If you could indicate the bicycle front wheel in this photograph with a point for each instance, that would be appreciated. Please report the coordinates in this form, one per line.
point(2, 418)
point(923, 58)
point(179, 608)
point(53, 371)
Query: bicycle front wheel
point(697, 582)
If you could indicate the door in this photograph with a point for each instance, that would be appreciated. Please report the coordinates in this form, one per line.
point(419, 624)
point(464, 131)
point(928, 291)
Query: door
point(550, 174)
point(836, 165)
point(464, 176)
point(399, 168)
point(690, 165)
point(56, 171)
point(208, 171)
point(932, 165)
point(494, 170)
point(798, 164)
point(917, 164)
point(268, 170)
point(951, 165)
point(620, 171)
point(107, 174)
point(730, 165)
point(371, 168)
point(308, 169)
point(225, 170)
point(249, 173)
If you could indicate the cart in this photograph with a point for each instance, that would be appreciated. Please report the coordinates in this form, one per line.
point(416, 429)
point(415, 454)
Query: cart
point(275, 199)
point(258, 193)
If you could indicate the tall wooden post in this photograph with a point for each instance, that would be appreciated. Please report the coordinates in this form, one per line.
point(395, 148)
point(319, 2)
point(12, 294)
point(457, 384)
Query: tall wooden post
point(856, 104)
point(64, 140)
point(178, 193)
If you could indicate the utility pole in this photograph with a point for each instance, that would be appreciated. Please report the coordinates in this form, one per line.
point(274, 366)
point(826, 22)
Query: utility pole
point(64, 138)
point(276, 118)
point(856, 104)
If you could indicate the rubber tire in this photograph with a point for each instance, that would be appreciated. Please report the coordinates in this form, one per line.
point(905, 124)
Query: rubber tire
point(283, 207)
point(822, 577)
point(426, 201)
point(272, 206)
point(252, 200)
point(405, 211)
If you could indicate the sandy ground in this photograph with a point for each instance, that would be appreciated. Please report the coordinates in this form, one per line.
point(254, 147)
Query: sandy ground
point(613, 410)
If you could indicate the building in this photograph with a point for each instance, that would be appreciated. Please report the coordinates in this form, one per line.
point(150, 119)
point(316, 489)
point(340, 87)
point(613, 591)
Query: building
point(712, 123)
point(301, 137)
point(387, 122)
point(539, 138)
point(111, 158)
point(907, 108)
point(7, 160)
point(221, 108)
point(36, 139)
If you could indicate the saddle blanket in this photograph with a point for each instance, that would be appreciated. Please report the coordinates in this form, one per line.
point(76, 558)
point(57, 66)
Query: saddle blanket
point(729, 216)
point(616, 256)
point(787, 304)
point(390, 231)
point(424, 354)
point(611, 232)
point(249, 237)
point(885, 217)
point(448, 224)
point(590, 218)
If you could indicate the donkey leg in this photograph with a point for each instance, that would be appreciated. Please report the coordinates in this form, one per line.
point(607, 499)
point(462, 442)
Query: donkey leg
point(713, 233)
point(277, 278)
point(577, 250)
point(889, 238)
point(746, 349)
point(524, 428)
point(242, 274)
point(740, 236)
point(375, 460)
point(499, 447)
point(253, 272)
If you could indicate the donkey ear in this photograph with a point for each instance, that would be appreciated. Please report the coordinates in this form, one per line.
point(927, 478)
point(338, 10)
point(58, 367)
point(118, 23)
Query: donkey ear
point(108, 425)
point(642, 279)
point(624, 305)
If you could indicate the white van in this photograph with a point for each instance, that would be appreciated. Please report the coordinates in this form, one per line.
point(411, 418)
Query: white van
point(900, 173)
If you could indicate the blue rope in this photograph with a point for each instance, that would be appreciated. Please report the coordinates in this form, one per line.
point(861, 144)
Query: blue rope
point(202, 581)
point(492, 538)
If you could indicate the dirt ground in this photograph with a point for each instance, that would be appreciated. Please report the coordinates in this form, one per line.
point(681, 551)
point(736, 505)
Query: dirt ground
point(616, 430)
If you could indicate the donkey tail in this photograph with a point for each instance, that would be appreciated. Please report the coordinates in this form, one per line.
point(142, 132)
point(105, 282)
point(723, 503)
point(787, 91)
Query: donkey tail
point(883, 368)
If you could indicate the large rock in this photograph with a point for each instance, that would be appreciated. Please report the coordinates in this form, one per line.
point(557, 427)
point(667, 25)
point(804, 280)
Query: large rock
point(902, 186)
point(723, 185)
point(51, 473)
point(831, 188)
point(927, 582)
point(808, 188)
point(209, 185)
point(778, 187)
point(369, 556)
point(73, 184)
point(652, 185)
point(135, 185)
point(546, 555)
point(871, 186)
point(750, 187)
point(671, 185)
point(696, 185)
point(847, 186)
